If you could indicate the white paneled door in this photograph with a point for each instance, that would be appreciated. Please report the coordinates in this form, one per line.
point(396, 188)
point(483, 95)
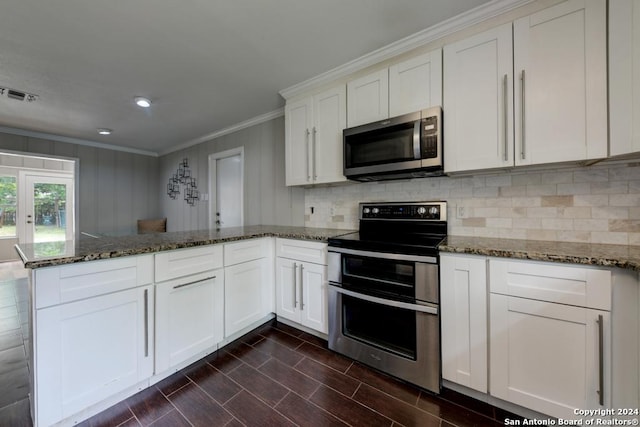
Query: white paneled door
point(226, 177)
point(45, 207)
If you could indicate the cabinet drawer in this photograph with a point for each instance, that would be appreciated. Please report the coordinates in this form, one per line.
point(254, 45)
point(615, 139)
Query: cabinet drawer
point(62, 284)
point(183, 262)
point(560, 283)
point(302, 250)
point(246, 250)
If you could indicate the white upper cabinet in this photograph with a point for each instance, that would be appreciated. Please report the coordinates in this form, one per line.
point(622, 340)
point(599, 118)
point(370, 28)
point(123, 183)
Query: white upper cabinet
point(313, 134)
point(368, 98)
point(560, 61)
point(405, 87)
point(330, 119)
point(478, 101)
point(551, 108)
point(297, 118)
point(415, 84)
point(624, 83)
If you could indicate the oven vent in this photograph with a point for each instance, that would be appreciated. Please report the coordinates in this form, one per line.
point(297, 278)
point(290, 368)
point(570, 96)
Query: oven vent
point(17, 95)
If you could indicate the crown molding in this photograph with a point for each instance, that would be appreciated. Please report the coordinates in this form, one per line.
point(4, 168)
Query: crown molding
point(231, 129)
point(435, 32)
point(77, 141)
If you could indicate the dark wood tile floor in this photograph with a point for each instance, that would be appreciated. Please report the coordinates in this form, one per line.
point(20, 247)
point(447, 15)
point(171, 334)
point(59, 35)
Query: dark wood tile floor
point(280, 376)
point(14, 336)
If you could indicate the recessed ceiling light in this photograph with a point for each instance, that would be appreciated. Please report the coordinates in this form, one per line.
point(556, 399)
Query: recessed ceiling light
point(104, 131)
point(142, 102)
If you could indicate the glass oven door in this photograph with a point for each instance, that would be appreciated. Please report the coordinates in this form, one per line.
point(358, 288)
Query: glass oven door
point(396, 337)
point(391, 329)
point(379, 276)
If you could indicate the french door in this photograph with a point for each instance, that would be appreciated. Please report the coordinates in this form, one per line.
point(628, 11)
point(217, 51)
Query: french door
point(46, 207)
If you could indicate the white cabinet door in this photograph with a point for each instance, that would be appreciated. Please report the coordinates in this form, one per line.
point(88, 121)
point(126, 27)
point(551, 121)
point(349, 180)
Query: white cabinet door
point(478, 101)
point(287, 289)
point(313, 297)
point(624, 81)
point(561, 97)
point(463, 299)
point(189, 318)
point(330, 119)
point(368, 98)
point(313, 138)
point(298, 117)
point(415, 84)
point(91, 349)
point(546, 357)
point(245, 295)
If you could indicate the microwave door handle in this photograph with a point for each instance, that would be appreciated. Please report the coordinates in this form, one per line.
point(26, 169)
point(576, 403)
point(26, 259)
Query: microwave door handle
point(416, 140)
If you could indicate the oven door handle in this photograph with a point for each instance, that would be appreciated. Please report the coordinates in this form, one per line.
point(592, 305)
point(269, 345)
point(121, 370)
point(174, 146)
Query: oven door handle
point(383, 255)
point(429, 309)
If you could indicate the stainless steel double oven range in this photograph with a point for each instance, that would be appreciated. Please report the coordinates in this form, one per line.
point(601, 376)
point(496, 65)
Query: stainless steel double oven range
point(384, 290)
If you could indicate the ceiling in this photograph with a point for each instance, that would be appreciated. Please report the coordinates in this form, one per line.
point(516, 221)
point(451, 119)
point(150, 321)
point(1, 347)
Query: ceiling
point(205, 64)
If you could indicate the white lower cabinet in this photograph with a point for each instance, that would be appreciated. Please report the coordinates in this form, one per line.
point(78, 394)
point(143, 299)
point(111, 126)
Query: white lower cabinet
point(246, 294)
point(546, 356)
point(302, 293)
point(93, 334)
point(301, 285)
point(248, 283)
point(189, 318)
point(550, 336)
point(91, 349)
point(463, 302)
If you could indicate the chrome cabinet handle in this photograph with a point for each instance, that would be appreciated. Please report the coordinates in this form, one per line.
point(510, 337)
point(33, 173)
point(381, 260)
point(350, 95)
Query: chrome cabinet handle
point(193, 283)
point(313, 152)
point(295, 284)
point(522, 117)
point(301, 281)
point(505, 108)
point(600, 323)
point(146, 323)
point(307, 152)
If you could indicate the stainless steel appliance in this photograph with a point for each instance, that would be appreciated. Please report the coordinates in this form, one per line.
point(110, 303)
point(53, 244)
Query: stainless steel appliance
point(407, 146)
point(384, 290)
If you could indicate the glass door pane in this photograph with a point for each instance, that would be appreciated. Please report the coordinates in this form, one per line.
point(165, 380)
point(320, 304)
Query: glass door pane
point(48, 209)
point(49, 212)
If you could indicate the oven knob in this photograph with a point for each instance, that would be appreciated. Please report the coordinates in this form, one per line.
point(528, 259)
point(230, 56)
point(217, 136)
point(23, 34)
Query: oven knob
point(422, 210)
point(434, 211)
point(366, 210)
point(375, 211)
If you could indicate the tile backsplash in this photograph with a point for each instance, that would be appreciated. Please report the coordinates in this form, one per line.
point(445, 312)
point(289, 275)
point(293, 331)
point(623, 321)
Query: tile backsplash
point(597, 204)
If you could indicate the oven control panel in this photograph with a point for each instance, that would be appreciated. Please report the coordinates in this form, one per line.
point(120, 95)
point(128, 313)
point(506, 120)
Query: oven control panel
point(434, 211)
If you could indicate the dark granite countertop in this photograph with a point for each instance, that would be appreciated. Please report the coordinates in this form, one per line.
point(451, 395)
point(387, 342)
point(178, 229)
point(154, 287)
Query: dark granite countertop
point(621, 256)
point(46, 254)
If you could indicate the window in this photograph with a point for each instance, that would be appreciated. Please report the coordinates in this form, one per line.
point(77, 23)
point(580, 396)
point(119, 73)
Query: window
point(8, 199)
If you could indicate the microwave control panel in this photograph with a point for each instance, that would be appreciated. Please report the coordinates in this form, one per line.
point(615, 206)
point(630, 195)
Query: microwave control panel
point(430, 137)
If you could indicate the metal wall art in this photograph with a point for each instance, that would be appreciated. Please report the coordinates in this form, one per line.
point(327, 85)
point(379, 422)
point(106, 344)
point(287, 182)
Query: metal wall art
point(183, 176)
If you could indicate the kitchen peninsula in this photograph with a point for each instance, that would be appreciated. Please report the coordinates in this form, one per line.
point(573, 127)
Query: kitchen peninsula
point(113, 315)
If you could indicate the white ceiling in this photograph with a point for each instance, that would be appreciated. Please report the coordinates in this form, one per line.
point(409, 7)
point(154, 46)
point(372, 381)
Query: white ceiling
point(206, 64)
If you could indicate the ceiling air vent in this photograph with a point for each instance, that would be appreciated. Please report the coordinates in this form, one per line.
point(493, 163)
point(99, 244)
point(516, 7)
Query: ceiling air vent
point(17, 95)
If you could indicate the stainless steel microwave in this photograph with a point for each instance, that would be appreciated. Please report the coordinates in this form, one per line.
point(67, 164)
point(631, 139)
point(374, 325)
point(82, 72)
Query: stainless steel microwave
point(407, 146)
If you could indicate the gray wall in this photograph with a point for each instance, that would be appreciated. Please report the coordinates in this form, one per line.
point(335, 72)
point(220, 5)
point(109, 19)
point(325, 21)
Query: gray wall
point(266, 198)
point(115, 188)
